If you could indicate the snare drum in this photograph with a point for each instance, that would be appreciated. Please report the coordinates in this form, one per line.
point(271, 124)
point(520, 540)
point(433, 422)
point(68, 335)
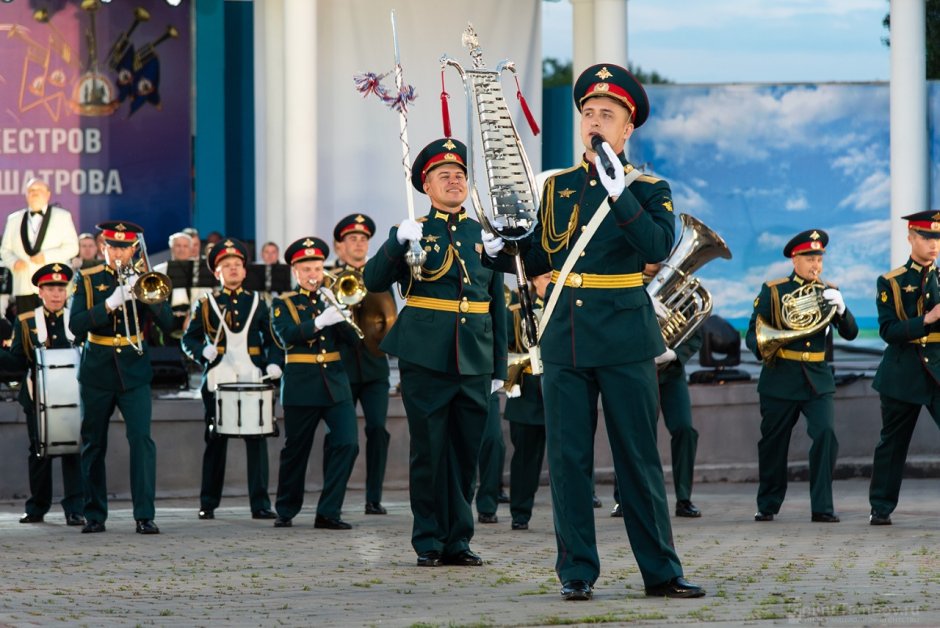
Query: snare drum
point(245, 409)
point(57, 409)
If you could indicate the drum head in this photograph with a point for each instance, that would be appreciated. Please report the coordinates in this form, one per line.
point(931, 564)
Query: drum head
point(246, 387)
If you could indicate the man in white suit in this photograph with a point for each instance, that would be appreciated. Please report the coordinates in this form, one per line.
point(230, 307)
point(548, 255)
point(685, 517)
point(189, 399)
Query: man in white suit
point(37, 235)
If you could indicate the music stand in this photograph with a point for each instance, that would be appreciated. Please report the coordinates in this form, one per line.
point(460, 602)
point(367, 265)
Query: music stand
point(280, 279)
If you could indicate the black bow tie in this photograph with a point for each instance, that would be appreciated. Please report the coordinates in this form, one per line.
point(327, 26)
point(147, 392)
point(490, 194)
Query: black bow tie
point(36, 212)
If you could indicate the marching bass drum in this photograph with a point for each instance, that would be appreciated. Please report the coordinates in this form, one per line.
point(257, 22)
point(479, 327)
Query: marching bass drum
point(57, 401)
point(245, 410)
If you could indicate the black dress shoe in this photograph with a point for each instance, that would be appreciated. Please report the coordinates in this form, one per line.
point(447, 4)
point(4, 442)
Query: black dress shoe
point(576, 590)
point(597, 502)
point(264, 513)
point(502, 498)
point(430, 559)
point(329, 523)
point(147, 526)
point(93, 527)
point(466, 558)
point(763, 516)
point(206, 513)
point(484, 517)
point(74, 519)
point(375, 508)
point(677, 587)
point(825, 517)
point(520, 525)
point(616, 511)
point(879, 519)
point(281, 522)
point(27, 518)
point(685, 508)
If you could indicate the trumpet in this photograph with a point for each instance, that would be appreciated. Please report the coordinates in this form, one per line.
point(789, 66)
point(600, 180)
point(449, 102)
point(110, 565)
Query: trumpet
point(333, 301)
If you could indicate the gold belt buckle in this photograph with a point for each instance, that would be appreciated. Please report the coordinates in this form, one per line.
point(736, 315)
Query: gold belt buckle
point(320, 358)
point(805, 356)
point(116, 341)
point(464, 305)
point(576, 280)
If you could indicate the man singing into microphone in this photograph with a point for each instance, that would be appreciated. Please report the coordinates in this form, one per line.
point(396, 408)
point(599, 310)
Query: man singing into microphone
point(603, 336)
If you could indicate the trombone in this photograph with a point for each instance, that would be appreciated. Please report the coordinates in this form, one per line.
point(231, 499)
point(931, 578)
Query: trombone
point(150, 288)
point(344, 284)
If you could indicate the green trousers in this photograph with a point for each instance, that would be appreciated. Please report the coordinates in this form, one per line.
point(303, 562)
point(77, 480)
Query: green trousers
point(300, 425)
point(898, 419)
point(213, 465)
point(778, 417)
point(40, 477)
point(446, 418)
point(373, 397)
point(492, 459)
point(98, 405)
point(630, 401)
point(525, 468)
point(676, 406)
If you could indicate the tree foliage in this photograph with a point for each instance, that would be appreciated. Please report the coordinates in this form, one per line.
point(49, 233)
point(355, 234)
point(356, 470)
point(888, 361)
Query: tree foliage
point(559, 74)
point(933, 37)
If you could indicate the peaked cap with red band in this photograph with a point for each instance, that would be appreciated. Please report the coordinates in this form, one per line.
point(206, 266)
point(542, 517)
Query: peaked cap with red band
point(227, 247)
point(306, 249)
point(446, 150)
point(812, 242)
point(120, 233)
point(354, 223)
point(925, 223)
point(52, 275)
point(613, 81)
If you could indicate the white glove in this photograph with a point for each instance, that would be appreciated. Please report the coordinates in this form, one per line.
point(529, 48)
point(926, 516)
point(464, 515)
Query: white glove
point(119, 296)
point(330, 316)
point(496, 385)
point(132, 280)
point(835, 299)
point(210, 353)
point(273, 371)
point(665, 358)
point(661, 310)
point(492, 243)
point(409, 229)
point(616, 185)
point(514, 391)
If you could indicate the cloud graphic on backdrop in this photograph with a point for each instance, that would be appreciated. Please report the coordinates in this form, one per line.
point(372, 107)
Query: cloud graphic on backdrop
point(751, 122)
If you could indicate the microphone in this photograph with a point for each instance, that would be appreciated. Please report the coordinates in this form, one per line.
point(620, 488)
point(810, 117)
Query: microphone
point(597, 144)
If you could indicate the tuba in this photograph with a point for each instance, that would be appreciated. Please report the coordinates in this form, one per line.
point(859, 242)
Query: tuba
point(512, 188)
point(803, 312)
point(687, 301)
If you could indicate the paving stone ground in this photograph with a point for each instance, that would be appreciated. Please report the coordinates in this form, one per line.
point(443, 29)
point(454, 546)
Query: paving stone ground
point(238, 571)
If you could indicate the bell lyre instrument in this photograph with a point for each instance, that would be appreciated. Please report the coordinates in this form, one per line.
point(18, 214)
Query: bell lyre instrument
point(512, 186)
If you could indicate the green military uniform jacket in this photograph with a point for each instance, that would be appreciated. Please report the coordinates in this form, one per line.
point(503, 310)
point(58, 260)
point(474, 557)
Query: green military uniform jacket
point(910, 367)
point(797, 380)
point(455, 342)
point(310, 380)
point(235, 305)
point(111, 367)
point(595, 327)
point(360, 364)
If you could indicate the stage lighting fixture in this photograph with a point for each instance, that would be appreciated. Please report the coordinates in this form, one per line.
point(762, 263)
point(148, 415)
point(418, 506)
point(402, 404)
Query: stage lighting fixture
point(174, 3)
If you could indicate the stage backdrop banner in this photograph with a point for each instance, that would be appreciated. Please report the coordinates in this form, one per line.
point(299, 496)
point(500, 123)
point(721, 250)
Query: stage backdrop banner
point(97, 103)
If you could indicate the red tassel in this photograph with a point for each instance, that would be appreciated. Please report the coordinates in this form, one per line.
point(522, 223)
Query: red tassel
point(525, 109)
point(445, 112)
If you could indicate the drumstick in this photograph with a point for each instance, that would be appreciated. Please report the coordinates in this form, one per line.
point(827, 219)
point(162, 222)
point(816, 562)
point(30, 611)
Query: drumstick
point(215, 343)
